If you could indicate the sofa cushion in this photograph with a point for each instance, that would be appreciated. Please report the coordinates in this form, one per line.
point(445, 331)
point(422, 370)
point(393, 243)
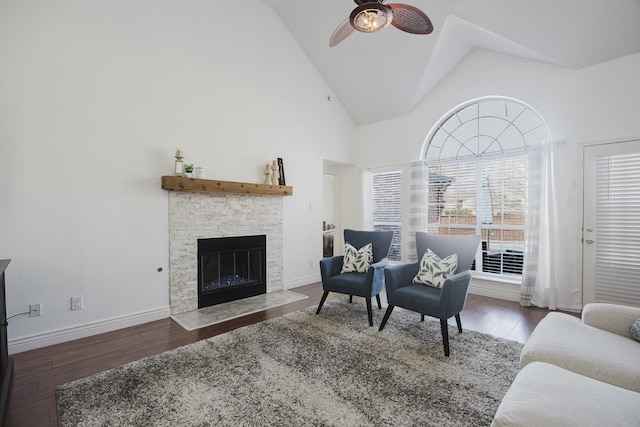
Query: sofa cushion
point(546, 395)
point(563, 340)
point(614, 318)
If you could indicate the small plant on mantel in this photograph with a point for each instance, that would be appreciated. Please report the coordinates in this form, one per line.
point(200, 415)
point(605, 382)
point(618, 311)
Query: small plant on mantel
point(188, 170)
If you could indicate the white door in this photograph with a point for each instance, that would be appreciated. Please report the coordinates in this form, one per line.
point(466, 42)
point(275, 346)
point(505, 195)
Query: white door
point(611, 228)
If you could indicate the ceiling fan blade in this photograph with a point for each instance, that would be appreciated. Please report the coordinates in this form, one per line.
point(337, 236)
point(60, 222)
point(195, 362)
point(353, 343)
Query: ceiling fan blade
point(341, 33)
point(410, 19)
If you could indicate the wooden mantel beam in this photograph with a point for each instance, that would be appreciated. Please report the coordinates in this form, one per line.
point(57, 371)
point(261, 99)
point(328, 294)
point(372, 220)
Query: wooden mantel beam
point(194, 185)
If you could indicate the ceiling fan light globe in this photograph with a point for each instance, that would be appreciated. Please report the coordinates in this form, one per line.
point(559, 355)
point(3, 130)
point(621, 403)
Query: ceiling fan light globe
point(371, 17)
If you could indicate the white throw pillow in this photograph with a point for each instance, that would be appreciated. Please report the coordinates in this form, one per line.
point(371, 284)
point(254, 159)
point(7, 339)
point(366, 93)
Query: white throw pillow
point(434, 271)
point(357, 260)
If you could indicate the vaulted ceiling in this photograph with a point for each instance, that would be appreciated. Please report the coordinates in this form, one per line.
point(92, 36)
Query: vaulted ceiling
point(383, 75)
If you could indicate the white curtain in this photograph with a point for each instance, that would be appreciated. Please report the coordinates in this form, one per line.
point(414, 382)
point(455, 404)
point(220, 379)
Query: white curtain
point(549, 278)
point(418, 205)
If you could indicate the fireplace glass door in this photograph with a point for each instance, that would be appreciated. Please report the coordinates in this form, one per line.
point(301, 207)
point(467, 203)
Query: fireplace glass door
point(231, 268)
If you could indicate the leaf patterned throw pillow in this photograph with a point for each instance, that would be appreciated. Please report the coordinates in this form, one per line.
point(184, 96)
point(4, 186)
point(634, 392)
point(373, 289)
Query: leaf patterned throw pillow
point(357, 261)
point(434, 271)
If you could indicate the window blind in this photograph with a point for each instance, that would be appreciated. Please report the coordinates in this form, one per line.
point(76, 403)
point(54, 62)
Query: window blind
point(617, 277)
point(486, 197)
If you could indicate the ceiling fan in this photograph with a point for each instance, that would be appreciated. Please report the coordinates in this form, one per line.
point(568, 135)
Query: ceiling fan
point(371, 16)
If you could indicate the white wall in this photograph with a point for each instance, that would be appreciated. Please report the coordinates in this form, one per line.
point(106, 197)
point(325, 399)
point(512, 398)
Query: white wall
point(593, 104)
point(95, 96)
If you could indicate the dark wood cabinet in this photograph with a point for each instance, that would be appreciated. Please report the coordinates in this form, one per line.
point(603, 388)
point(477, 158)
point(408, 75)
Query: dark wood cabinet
point(6, 363)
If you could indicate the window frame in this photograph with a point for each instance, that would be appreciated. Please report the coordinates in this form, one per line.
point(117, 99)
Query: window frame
point(454, 128)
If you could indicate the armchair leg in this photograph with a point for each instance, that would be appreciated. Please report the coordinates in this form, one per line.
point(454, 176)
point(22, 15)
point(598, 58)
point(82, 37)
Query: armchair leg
point(459, 322)
point(350, 299)
point(369, 311)
point(422, 317)
point(386, 316)
point(445, 336)
point(322, 300)
point(379, 304)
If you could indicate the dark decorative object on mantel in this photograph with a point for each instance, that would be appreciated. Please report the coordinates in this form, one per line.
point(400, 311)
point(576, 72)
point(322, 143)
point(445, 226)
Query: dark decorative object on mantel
point(281, 179)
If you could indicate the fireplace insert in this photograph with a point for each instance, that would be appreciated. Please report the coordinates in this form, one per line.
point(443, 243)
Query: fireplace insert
point(231, 268)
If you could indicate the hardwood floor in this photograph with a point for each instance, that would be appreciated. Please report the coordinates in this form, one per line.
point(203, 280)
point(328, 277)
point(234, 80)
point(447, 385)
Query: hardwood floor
point(32, 400)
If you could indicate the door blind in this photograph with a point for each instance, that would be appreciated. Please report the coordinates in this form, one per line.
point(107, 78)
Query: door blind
point(617, 276)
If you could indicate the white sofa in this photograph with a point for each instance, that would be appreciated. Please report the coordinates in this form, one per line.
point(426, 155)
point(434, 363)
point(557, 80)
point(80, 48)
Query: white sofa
point(577, 372)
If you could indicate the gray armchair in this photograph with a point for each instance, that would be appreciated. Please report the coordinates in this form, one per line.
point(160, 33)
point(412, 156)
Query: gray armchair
point(367, 285)
point(442, 303)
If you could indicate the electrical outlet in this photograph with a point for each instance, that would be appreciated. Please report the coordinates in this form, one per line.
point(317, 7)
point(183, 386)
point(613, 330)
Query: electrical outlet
point(310, 263)
point(35, 310)
point(76, 303)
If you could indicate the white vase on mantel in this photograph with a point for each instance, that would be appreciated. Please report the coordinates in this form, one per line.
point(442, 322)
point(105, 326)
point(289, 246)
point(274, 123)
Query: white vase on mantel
point(274, 173)
point(267, 174)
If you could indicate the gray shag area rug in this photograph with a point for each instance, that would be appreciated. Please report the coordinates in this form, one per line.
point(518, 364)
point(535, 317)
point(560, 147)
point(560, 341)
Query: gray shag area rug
point(304, 369)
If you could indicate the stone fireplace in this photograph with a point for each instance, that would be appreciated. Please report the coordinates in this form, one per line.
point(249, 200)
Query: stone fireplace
point(195, 216)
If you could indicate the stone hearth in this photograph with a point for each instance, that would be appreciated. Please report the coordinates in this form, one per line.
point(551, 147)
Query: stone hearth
point(194, 216)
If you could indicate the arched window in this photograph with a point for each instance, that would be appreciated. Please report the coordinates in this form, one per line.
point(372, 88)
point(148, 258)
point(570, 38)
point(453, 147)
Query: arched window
point(477, 160)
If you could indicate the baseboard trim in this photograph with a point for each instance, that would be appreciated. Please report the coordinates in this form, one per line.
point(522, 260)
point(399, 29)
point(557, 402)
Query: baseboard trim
point(307, 280)
point(32, 342)
point(495, 290)
point(481, 287)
